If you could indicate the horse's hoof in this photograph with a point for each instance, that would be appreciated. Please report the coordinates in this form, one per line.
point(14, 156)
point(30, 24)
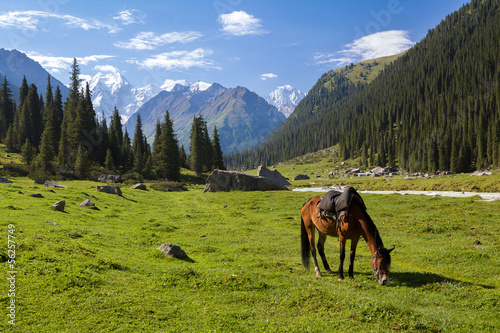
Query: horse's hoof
point(351, 277)
point(341, 278)
point(329, 272)
point(318, 273)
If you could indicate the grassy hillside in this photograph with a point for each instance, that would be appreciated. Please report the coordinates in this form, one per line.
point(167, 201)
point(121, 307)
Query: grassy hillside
point(362, 72)
point(99, 270)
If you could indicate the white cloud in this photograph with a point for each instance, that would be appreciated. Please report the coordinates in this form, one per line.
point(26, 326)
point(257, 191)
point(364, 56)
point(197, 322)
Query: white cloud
point(32, 19)
point(150, 41)
point(372, 46)
point(268, 76)
point(106, 68)
point(58, 64)
point(179, 60)
point(239, 23)
point(130, 16)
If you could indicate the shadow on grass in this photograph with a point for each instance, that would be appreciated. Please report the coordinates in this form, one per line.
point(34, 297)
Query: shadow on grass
point(419, 279)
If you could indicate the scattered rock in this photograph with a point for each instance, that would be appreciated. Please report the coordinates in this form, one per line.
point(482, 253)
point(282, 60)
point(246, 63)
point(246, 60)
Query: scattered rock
point(476, 242)
point(51, 190)
point(59, 205)
point(409, 178)
point(41, 180)
point(302, 177)
point(272, 175)
point(138, 186)
point(5, 180)
point(221, 180)
point(493, 199)
point(110, 178)
point(36, 195)
point(481, 173)
point(12, 162)
point(87, 203)
point(35, 187)
point(50, 183)
point(111, 189)
point(20, 192)
point(173, 251)
point(52, 223)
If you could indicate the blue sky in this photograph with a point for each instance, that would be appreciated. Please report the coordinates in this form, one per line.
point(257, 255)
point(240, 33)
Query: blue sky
point(259, 44)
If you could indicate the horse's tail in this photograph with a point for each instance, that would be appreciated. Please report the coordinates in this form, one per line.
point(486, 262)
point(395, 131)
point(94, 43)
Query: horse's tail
point(305, 245)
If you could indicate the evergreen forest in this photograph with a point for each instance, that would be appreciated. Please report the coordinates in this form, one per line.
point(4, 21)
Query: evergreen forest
point(436, 107)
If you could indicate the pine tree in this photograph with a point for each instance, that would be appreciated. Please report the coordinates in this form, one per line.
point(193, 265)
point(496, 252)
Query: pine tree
point(218, 159)
point(7, 109)
point(126, 153)
point(157, 145)
point(10, 139)
point(207, 148)
point(108, 163)
point(196, 149)
point(47, 150)
point(28, 152)
point(167, 154)
point(139, 147)
point(184, 158)
point(82, 164)
point(116, 136)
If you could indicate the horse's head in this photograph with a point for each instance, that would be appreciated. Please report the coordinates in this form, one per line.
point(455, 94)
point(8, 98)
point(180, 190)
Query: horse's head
point(381, 261)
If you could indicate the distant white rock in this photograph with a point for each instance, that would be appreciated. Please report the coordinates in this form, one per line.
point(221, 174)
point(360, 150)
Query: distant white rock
point(285, 98)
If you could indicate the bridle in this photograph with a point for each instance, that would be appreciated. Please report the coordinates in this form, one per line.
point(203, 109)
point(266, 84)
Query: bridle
point(376, 271)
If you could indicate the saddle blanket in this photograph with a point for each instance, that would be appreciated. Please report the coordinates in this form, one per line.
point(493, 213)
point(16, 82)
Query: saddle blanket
point(336, 202)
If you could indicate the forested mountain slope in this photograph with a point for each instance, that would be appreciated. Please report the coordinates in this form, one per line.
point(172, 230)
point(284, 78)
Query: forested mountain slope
point(437, 107)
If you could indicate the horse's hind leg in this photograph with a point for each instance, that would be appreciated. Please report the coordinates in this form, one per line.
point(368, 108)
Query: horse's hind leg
point(321, 250)
point(342, 242)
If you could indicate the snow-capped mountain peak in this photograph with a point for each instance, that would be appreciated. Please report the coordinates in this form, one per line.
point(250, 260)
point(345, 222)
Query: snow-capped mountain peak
point(110, 90)
point(169, 84)
point(199, 86)
point(286, 98)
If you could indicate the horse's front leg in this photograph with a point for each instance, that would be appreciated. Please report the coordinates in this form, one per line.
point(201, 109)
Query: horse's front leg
point(321, 250)
point(352, 255)
point(342, 242)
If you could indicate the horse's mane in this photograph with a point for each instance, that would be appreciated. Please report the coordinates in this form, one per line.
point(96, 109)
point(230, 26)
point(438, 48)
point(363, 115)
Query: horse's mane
point(371, 224)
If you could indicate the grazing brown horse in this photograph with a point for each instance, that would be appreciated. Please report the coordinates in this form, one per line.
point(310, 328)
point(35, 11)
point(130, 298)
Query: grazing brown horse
point(357, 223)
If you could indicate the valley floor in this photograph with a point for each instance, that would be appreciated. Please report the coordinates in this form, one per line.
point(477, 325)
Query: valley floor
point(99, 269)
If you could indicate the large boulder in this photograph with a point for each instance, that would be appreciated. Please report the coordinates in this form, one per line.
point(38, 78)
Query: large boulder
point(110, 178)
point(87, 203)
point(302, 177)
point(59, 205)
point(173, 251)
point(111, 189)
point(272, 175)
point(50, 183)
point(5, 180)
point(221, 180)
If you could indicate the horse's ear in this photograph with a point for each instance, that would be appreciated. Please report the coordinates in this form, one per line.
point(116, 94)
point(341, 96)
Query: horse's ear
point(390, 250)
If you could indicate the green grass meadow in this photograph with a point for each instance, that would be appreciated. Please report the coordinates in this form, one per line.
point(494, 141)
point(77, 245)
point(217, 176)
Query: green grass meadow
point(86, 270)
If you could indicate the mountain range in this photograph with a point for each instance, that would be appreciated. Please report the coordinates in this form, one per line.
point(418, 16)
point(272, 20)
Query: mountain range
point(243, 118)
point(15, 65)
